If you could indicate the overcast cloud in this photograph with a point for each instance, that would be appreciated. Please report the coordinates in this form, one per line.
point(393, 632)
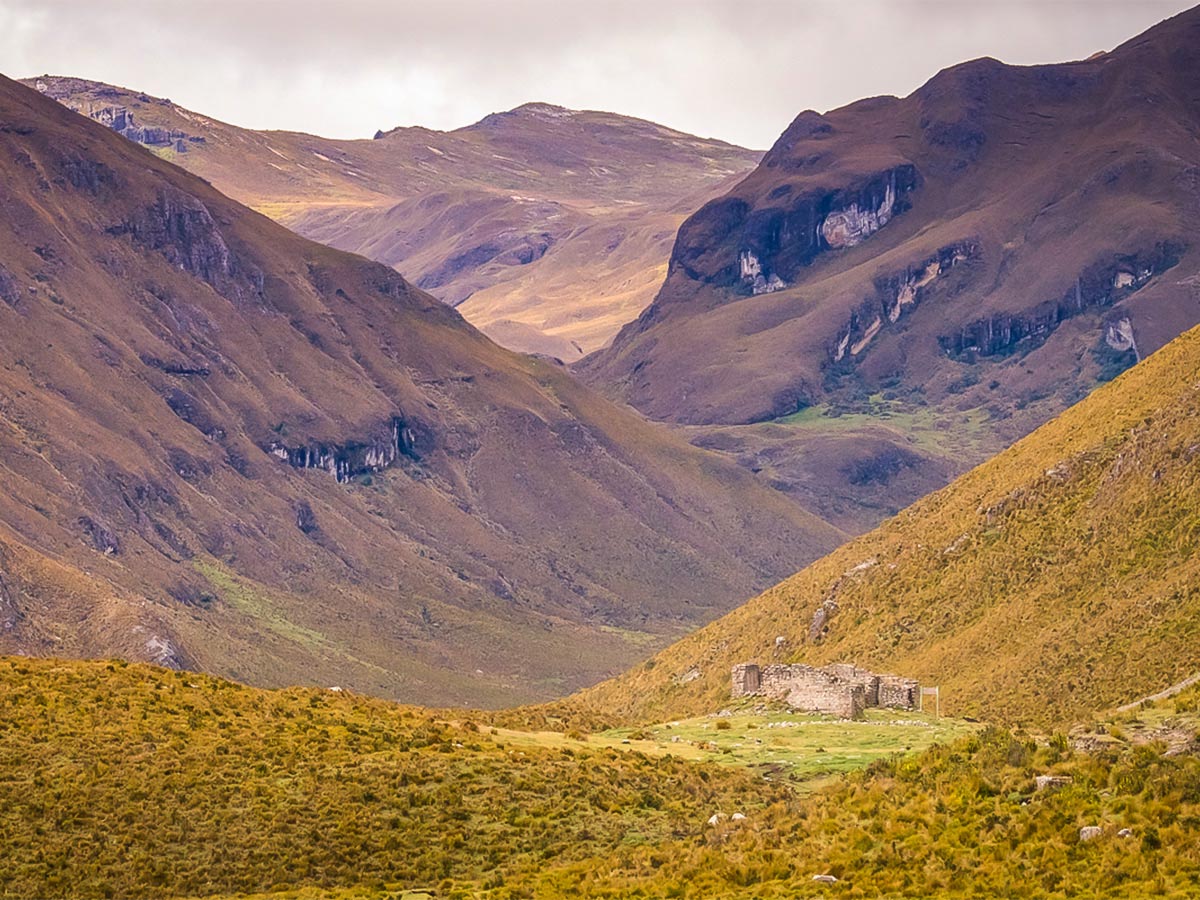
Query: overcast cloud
point(734, 70)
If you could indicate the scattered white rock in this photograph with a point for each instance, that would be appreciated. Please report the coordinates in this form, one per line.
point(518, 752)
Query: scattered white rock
point(336, 689)
point(1090, 832)
point(825, 879)
point(737, 817)
point(717, 818)
point(1125, 833)
point(1052, 782)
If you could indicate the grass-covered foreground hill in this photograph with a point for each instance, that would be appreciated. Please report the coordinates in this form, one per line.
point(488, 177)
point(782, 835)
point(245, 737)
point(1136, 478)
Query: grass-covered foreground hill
point(126, 781)
point(1059, 578)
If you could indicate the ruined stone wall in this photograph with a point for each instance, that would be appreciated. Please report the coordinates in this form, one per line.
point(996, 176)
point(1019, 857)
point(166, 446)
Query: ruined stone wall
point(840, 689)
point(831, 697)
point(745, 680)
point(896, 692)
point(869, 681)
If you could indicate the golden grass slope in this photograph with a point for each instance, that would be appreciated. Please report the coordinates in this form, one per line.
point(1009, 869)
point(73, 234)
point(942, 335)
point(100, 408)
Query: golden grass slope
point(121, 780)
point(1060, 577)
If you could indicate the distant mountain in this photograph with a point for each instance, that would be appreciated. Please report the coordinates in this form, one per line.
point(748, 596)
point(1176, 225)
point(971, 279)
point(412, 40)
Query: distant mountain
point(225, 447)
point(1056, 580)
point(548, 228)
point(968, 260)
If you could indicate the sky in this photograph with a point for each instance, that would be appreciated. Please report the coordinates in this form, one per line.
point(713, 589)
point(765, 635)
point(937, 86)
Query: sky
point(739, 71)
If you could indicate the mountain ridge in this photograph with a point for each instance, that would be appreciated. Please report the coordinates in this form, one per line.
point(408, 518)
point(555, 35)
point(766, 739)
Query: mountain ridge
point(984, 251)
point(549, 232)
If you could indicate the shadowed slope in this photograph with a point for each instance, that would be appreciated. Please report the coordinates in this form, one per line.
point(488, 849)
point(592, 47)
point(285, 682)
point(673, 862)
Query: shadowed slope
point(281, 462)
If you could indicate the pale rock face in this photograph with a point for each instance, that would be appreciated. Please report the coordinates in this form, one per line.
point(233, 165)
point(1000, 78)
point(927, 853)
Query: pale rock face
point(160, 650)
point(1132, 279)
point(907, 295)
point(752, 274)
point(751, 267)
point(1119, 336)
point(861, 344)
point(843, 344)
point(851, 226)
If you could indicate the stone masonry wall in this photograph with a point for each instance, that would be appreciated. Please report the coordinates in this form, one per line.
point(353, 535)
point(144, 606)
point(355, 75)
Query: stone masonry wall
point(840, 689)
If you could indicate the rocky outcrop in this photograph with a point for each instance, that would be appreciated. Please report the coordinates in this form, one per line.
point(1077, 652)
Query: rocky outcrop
point(182, 229)
point(896, 295)
point(306, 519)
point(100, 536)
point(398, 439)
point(763, 248)
point(1118, 335)
point(850, 226)
point(10, 615)
point(10, 290)
point(1101, 284)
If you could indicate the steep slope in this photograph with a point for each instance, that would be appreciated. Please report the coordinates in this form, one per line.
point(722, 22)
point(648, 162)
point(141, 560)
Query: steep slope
point(548, 228)
point(226, 447)
point(996, 243)
point(1059, 578)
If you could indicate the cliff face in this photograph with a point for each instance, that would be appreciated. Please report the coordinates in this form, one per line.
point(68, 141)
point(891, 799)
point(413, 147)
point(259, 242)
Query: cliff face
point(972, 248)
point(226, 447)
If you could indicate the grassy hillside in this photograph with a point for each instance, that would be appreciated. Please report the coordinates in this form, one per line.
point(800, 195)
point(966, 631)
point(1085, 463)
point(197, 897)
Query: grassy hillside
point(1058, 578)
point(548, 228)
point(121, 780)
point(226, 448)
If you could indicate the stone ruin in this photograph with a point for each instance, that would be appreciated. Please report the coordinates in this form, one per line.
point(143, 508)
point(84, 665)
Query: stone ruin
point(841, 689)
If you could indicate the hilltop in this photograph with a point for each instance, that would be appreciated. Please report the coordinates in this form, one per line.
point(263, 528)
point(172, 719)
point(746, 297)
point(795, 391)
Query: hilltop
point(225, 447)
point(547, 228)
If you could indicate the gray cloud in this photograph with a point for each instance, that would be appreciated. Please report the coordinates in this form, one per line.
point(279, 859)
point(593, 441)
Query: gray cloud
point(734, 69)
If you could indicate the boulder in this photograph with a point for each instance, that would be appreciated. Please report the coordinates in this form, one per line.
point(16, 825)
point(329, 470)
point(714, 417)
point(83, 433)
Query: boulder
point(1090, 832)
point(825, 879)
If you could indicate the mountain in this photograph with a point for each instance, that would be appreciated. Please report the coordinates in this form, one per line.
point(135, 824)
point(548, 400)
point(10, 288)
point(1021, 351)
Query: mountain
point(546, 227)
point(977, 255)
point(1058, 579)
point(228, 448)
